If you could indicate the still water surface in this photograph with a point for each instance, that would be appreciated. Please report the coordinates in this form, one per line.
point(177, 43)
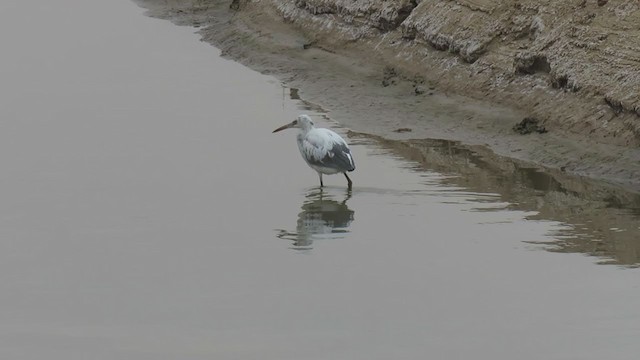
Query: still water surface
point(149, 213)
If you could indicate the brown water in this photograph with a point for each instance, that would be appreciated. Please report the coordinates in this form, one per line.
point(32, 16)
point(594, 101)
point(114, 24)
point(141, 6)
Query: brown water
point(149, 213)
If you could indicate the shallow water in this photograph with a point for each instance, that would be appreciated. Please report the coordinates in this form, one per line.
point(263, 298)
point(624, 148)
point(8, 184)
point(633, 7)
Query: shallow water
point(149, 213)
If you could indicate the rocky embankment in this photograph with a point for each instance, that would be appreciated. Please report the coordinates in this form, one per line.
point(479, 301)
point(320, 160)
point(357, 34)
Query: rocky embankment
point(574, 64)
point(571, 68)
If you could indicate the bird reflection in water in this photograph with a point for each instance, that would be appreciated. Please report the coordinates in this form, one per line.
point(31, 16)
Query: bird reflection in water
point(321, 217)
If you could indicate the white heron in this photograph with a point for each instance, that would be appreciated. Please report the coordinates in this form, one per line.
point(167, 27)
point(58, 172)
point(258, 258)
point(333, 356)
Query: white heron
point(323, 150)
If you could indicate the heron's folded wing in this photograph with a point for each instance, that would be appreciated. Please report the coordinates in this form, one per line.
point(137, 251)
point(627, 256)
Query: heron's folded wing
point(326, 148)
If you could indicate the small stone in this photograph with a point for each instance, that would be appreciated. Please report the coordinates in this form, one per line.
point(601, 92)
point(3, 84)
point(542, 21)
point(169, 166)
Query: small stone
point(529, 125)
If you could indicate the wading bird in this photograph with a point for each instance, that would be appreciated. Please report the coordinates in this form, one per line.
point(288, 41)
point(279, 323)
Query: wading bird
point(323, 150)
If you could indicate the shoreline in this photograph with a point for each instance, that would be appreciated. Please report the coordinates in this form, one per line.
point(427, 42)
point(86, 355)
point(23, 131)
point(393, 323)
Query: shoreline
point(372, 96)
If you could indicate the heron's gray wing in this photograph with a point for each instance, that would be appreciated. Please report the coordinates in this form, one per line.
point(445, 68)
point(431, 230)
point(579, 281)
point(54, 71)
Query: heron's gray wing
point(325, 148)
point(339, 157)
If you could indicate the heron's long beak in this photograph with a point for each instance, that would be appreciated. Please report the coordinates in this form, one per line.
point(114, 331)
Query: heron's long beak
point(283, 127)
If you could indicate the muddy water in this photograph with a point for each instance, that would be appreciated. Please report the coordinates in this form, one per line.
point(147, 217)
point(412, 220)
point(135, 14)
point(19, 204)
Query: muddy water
point(149, 213)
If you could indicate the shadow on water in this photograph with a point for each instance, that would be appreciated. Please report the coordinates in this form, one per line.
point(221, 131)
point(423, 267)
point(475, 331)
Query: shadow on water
point(323, 216)
point(603, 220)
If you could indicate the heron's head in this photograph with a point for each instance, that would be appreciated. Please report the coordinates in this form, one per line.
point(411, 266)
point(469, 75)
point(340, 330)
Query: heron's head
point(302, 122)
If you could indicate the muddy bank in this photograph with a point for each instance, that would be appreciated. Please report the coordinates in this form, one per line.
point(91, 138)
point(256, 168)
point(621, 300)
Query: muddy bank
point(464, 71)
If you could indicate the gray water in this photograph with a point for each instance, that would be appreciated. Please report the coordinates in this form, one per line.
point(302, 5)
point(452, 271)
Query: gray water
point(148, 213)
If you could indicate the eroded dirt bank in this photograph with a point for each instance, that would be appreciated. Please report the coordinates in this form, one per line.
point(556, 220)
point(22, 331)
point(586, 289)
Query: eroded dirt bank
point(459, 70)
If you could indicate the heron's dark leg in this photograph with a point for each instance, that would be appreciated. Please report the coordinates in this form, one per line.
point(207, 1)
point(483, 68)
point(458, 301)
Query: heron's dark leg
point(320, 175)
point(348, 180)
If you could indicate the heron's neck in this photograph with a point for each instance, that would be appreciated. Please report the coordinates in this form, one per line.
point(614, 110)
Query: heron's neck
point(306, 128)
